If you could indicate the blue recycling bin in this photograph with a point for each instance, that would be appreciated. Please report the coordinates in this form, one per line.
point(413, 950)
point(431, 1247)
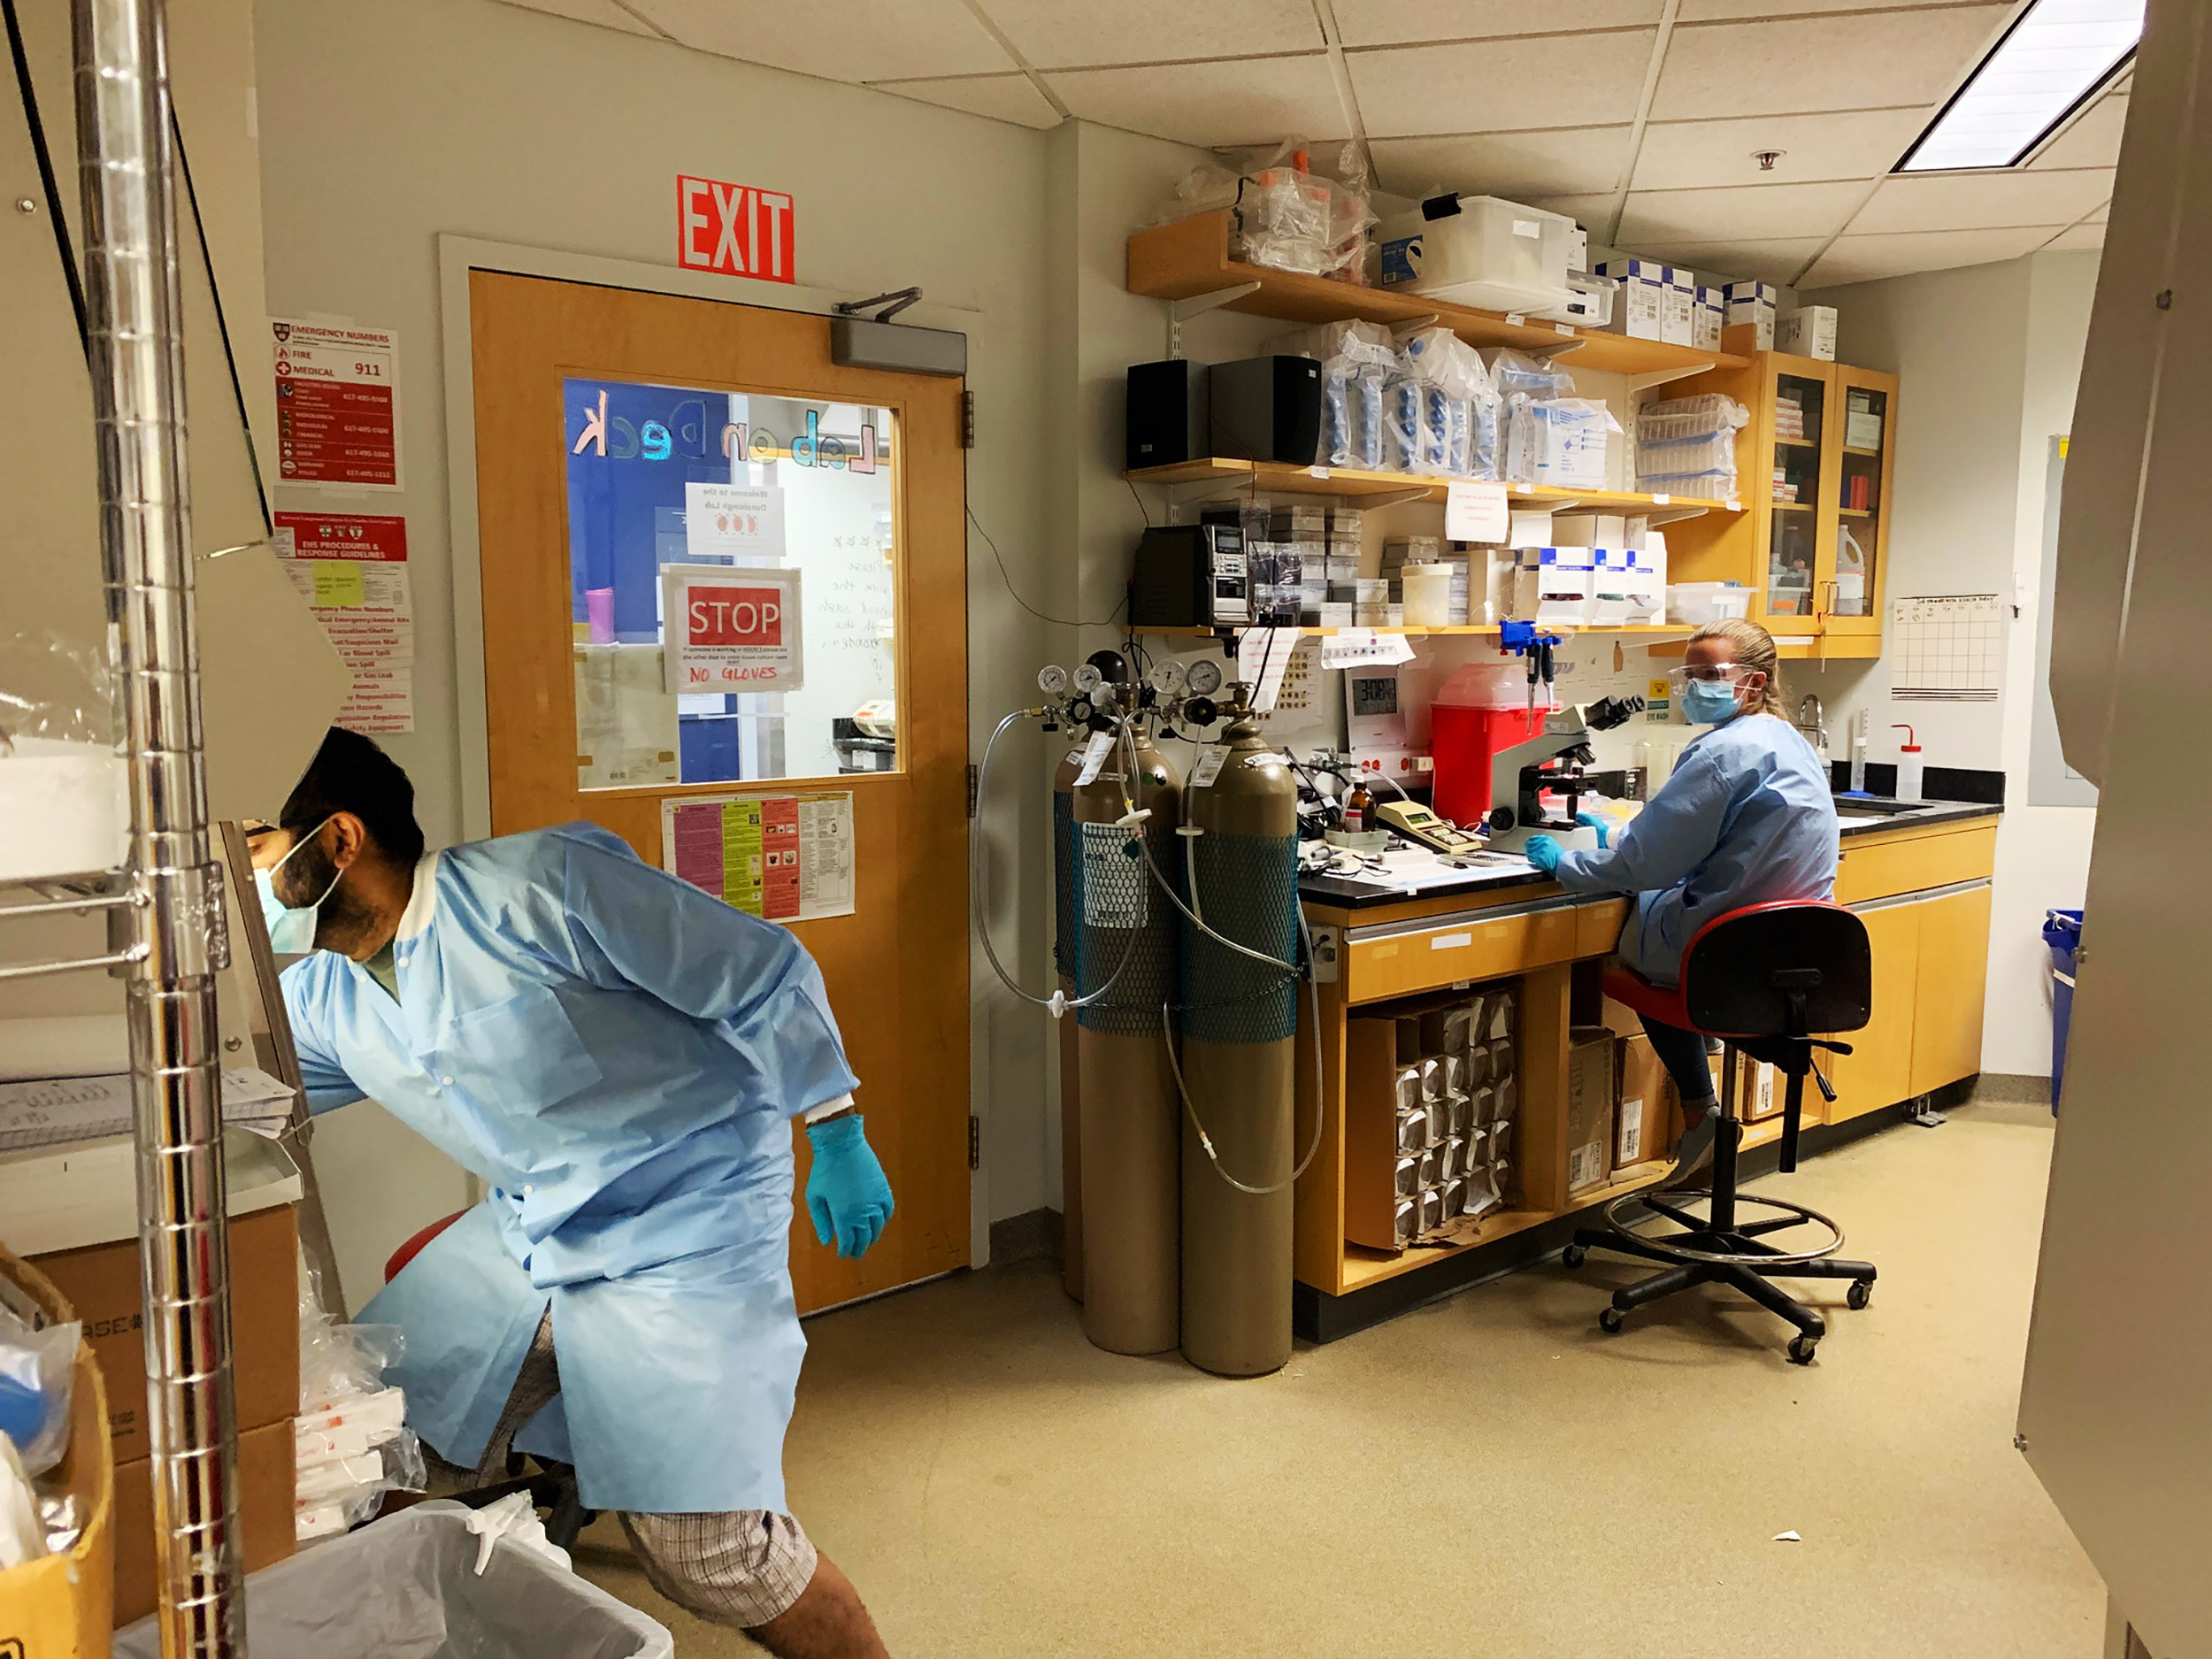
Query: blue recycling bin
point(2062, 932)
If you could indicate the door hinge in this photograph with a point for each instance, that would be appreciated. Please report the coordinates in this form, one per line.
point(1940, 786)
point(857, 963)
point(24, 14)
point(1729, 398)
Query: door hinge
point(967, 421)
point(975, 1144)
point(975, 783)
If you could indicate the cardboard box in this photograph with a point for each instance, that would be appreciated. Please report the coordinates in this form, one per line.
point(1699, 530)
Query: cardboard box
point(1760, 1090)
point(101, 1281)
point(1810, 332)
point(1645, 1105)
point(1639, 308)
point(1589, 1106)
point(267, 1458)
point(1752, 303)
point(1712, 315)
point(57, 1606)
point(1678, 315)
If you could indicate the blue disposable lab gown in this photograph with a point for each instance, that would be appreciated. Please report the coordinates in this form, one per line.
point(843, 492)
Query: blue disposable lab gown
point(618, 1055)
point(1747, 817)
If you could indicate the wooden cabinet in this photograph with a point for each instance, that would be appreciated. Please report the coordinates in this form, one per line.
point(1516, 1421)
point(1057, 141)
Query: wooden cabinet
point(1952, 979)
point(1813, 467)
point(1877, 1072)
point(1931, 972)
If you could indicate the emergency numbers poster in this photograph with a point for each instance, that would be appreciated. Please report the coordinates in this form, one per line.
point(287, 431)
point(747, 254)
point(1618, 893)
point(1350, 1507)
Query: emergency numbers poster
point(782, 858)
point(337, 403)
point(731, 627)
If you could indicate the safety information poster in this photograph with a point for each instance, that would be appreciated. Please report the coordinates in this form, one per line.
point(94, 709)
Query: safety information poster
point(732, 628)
point(351, 568)
point(337, 400)
point(782, 857)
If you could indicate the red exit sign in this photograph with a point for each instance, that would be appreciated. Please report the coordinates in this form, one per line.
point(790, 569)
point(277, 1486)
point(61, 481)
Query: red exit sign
point(734, 229)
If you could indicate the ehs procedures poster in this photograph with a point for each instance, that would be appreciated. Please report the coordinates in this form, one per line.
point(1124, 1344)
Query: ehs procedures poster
point(784, 857)
point(351, 568)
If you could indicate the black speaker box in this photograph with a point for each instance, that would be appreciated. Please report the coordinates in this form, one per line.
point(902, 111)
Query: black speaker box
point(1167, 413)
point(1266, 409)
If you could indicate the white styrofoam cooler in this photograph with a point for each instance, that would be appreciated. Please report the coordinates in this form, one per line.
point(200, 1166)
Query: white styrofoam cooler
point(65, 810)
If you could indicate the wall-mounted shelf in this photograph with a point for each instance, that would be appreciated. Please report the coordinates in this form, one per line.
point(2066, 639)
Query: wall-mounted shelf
point(1793, 506)
point(1190, 258)
point(1854, 512)
point(1281, 479)
point(1853, 449)
point(1669, 630)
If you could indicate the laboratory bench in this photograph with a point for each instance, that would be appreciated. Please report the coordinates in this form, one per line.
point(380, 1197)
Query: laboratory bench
point(1917, 873)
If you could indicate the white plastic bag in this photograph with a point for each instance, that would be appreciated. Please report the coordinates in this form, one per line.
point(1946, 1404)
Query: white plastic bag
point(22, 1537)
point(35, 1377)
point(514, 1519)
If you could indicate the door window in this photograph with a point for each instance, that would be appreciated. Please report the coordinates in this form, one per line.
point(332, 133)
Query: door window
point(734, 584)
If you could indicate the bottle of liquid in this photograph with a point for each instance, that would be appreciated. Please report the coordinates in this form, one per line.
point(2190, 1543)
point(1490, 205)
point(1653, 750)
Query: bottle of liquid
point(1359, 810)
point(1858, 753)
point(1908, 771)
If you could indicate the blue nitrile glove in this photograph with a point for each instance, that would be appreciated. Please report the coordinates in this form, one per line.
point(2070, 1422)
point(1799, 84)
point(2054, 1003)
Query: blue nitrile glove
point(1543, 852)
point(1595, 823)
point(847, 1193)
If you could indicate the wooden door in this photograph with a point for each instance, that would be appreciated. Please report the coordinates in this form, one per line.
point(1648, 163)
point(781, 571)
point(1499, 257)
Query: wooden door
point(624, 440)
point(1877, 1072)
point(1861, 441)
point(1947, 1028)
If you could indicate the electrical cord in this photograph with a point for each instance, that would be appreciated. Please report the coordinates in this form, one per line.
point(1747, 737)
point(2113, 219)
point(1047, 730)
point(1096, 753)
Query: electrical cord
point(1006, 576)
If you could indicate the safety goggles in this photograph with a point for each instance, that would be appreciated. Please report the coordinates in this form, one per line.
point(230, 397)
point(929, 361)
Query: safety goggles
point(1680, 679)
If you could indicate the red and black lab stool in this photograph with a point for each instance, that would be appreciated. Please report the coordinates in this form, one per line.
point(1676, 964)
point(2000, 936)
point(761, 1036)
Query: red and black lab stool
point(1762, 978)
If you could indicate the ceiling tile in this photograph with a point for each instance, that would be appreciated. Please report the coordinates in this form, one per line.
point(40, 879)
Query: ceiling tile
point(1848, 62)
point(1500, 86)
point(2100, 216)
point(918, 37)
point(1870, 258)
point(1982, 201)
point(1011, 97)
point(1253, 101)
point(2093, 141)
point(1515, 165)
point(1052, 33)
point(2076, 239)
point(1705, 11)
point(1591, 212)
point(1746, 213)
point(603, 12)
point(1393, 22)
point(1854, 144)
point(1777, 260)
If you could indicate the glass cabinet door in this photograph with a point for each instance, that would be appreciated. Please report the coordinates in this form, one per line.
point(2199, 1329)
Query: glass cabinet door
point(1802, 416)
point(1852, 600)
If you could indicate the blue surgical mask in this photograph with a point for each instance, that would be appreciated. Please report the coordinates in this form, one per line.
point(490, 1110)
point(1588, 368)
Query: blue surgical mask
point(1708, 701)
point(291, 932)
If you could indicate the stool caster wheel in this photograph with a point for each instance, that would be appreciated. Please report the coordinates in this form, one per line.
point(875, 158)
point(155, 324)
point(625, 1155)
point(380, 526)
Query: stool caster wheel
point(1573, 1255)
point(1609, 1321)
point(1801, 1350)
point(1861, 1292)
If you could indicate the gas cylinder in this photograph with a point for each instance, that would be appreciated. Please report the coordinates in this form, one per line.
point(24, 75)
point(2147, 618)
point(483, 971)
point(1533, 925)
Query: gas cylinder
point(1064, 964)
point(1240, 1026)
point(1125, 932)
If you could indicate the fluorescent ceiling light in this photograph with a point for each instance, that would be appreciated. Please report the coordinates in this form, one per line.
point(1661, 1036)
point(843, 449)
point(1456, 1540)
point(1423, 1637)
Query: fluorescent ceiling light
point(2056, 54)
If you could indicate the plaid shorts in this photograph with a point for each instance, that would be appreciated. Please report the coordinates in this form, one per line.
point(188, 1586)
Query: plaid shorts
point(741, 1567)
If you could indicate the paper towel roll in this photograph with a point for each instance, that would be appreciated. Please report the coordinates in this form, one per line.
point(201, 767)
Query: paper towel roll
point(69, 1045)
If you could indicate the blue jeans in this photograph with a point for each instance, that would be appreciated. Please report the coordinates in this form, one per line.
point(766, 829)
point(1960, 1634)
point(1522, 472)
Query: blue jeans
point(1683, 1053)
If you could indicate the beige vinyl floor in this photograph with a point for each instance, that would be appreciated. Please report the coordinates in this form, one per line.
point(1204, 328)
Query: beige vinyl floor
point(1490, 1475)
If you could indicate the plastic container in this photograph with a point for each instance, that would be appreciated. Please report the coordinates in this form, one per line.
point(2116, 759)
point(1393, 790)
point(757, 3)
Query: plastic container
point(1696, 603)
point(1479, 711)
point(1428, 595)
point(1496, 255)
point(1911, 782)
point(407, 1585)
point(2062, 932)
point(1591, 302)
point(65, 810)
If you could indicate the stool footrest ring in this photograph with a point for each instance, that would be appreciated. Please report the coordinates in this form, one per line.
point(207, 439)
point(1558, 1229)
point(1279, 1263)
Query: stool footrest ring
point(1662, 1245)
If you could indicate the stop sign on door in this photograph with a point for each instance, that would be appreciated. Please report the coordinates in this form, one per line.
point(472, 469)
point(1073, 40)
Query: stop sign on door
point(731, 628)
point(735, 616)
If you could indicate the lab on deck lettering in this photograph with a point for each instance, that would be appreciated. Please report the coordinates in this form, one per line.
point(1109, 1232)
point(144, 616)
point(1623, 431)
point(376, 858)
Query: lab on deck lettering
point(731, 628)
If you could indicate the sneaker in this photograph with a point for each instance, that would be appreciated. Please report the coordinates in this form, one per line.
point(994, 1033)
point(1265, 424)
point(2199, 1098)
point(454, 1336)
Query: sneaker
point(1694, 1154)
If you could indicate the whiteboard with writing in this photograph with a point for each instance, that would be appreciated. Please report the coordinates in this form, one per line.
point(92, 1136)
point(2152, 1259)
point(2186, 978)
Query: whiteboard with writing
point(837, 525)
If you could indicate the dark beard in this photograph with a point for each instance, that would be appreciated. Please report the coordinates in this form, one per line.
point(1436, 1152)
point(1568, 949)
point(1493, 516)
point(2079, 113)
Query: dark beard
point(342, 920)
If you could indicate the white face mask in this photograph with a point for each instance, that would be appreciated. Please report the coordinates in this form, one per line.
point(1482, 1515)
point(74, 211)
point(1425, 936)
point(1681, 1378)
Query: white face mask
point(291, 932)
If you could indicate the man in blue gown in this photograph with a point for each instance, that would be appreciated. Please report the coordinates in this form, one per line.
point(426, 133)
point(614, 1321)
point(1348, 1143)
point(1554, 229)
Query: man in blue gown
point(617, 1055)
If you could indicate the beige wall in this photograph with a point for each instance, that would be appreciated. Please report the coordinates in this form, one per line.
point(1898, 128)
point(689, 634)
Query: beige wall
point(1988, 355)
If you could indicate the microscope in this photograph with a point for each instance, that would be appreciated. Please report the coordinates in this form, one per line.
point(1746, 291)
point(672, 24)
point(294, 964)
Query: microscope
point(1556, 760)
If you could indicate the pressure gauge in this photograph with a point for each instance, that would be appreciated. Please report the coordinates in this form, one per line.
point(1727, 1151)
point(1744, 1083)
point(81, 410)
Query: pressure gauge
point(1167, 676)
point(1204, 677)
point(1052, 679)
point(1087, 679)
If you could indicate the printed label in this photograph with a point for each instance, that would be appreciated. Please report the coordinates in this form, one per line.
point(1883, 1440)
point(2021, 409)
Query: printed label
point(1211, 759)
point(1631, 1141)
point(1585, 1165)
point(1095, 754)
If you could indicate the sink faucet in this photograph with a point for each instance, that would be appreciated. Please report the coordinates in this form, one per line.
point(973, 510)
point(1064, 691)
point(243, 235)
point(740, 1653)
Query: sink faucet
point(1814, 724)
